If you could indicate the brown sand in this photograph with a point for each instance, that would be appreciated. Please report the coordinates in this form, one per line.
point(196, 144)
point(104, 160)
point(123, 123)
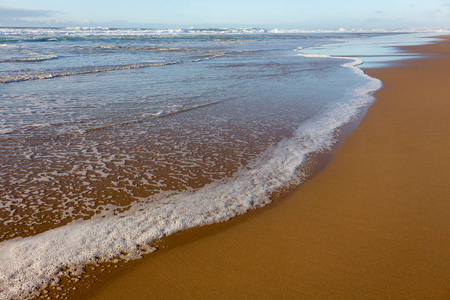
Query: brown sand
point(374, 225)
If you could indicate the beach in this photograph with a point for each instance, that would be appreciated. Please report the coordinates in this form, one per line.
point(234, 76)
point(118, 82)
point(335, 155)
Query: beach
point(222, 163)
point(373, 225)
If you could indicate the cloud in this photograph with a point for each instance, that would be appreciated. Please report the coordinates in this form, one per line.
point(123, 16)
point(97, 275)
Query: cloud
point(26, 17)
point(7, 13)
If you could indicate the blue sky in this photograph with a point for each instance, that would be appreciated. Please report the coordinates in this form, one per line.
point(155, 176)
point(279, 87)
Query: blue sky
point(299, 14)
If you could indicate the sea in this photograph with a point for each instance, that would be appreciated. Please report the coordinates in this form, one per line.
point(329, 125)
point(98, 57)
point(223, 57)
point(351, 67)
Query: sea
point(111, 139)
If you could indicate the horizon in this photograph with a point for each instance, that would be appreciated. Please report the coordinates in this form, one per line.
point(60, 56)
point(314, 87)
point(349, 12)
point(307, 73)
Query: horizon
point(261, 30)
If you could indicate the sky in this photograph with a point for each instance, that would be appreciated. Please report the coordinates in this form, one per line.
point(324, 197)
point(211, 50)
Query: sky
point(287, 14)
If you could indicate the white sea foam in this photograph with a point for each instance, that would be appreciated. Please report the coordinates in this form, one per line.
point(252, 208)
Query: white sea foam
point(53, 34)
point(5, 130)
point(31, 59)
point(29, 263)
point(8, 46)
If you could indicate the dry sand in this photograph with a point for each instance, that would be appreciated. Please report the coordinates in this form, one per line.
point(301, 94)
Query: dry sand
point(374, 225)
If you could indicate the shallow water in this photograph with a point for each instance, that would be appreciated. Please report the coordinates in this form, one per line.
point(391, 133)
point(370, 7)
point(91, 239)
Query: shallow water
point(124, 136)
point(91, 118)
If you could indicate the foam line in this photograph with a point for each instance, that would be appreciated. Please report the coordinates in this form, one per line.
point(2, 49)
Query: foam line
point(30, 59)
point(51, 35)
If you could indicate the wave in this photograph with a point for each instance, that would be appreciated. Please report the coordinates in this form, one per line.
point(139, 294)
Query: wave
point(52, 34)
point(17, 78)
point(25, 131)
point(161, 113)
point(30, 263)
point(39, 76)
point(30, 59)
point(147, 48)
point(8, 46)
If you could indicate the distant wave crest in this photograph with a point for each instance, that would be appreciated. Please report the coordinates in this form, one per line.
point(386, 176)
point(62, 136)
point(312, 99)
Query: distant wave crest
point(30, 59)
point(52, 34)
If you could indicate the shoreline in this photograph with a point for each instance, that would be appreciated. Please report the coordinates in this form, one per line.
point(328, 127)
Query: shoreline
point(348, 232)
point(136, 237)
point(97, 275)
point(137, 277)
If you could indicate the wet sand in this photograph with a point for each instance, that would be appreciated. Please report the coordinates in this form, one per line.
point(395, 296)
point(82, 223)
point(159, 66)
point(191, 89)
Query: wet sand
point(374, 225)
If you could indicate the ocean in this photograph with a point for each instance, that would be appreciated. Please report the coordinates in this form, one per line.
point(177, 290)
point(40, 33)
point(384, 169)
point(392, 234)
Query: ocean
point(113, 138)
